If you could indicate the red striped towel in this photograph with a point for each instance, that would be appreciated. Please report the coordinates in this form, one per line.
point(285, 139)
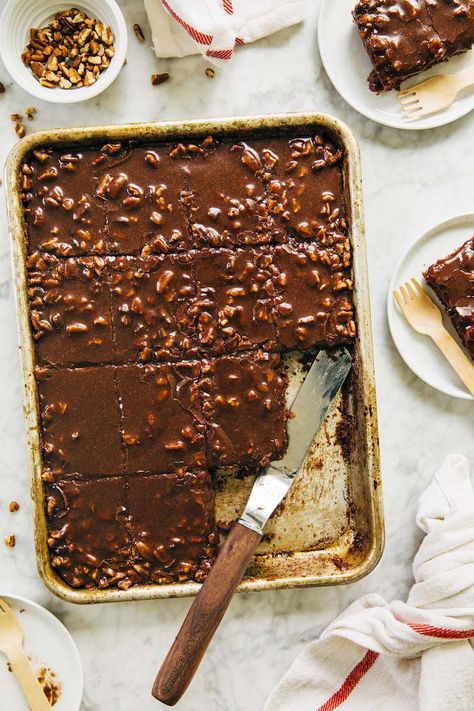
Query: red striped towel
point(214, 27)
point(413, 656)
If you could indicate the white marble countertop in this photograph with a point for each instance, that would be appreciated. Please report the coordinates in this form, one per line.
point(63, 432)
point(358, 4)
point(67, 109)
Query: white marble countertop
point(411, 180)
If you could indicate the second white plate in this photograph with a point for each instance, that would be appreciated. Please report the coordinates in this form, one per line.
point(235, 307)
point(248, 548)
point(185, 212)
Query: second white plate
point(419, 352)
point(347, 65)
point(50, 648)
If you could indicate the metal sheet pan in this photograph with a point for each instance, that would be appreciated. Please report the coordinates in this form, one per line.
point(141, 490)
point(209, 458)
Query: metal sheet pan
point(330, 529)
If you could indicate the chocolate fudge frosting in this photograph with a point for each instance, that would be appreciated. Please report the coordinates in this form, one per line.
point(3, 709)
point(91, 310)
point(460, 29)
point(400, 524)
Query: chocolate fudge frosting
point(244, 407)
point(452, 280)
point(172, 529)
point(81, 420)
point(406, 37)
point(162, 421)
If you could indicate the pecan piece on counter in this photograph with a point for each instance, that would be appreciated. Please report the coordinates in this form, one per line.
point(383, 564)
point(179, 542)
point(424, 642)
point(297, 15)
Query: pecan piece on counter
point(157, 79)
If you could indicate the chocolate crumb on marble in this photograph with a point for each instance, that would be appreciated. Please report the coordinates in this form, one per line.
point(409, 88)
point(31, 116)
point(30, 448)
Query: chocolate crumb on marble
point(157, 79)
point(138, 32)
point(70, 309)
point(162, 422)
point(232, 308)
point(80, 418)
point(150, 299)
point(63, 214)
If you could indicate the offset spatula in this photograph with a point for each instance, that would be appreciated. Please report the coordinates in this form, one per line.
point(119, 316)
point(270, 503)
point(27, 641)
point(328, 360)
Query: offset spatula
point(310, 406)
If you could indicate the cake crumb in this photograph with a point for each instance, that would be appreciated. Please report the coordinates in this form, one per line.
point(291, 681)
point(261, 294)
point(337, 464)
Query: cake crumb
point(138, 32)
point(20, 129)
point(49, 684)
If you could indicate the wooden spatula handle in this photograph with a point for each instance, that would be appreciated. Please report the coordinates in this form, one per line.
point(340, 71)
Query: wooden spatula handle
point(205, 615)
point(456, 356)
point(25, 675)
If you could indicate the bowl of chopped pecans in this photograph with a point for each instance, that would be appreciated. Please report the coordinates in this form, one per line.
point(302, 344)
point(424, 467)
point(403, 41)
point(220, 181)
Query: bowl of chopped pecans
point(61, 53)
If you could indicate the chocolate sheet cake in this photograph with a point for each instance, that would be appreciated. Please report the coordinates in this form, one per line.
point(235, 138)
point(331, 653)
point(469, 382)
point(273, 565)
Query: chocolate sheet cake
point(406, 37)
point(165, 280)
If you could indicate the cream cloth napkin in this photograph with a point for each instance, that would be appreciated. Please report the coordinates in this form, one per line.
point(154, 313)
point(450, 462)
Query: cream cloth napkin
point(214, 27)
point(403, 656)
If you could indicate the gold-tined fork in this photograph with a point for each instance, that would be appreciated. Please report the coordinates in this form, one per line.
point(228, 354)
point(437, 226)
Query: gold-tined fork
point(425, 317)
point(434, 94)
point(11, 643)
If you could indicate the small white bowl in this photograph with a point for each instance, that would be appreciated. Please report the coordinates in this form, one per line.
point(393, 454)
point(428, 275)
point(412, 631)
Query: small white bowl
point(21, 15)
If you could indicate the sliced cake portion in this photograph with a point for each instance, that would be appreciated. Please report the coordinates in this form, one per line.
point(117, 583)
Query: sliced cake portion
point(452, 280)
point(150, 297)
point(453, 20)
point(171, 523)
point(245, 410)
point(232, 310)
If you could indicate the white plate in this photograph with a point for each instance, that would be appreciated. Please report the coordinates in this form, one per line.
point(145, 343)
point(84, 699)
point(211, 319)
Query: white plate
point(49, 645)
point(348, 66)
point(419, 352)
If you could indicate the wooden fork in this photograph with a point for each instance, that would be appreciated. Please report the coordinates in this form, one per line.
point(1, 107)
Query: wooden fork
point(425, 317)
point(11, 643)
point(434, 94)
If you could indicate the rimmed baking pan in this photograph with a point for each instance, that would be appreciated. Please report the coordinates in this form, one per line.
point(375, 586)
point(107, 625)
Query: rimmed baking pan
point(330, 528)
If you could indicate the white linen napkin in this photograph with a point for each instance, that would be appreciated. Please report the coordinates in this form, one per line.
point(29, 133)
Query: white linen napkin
point(214, 27)
point(403, 656)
